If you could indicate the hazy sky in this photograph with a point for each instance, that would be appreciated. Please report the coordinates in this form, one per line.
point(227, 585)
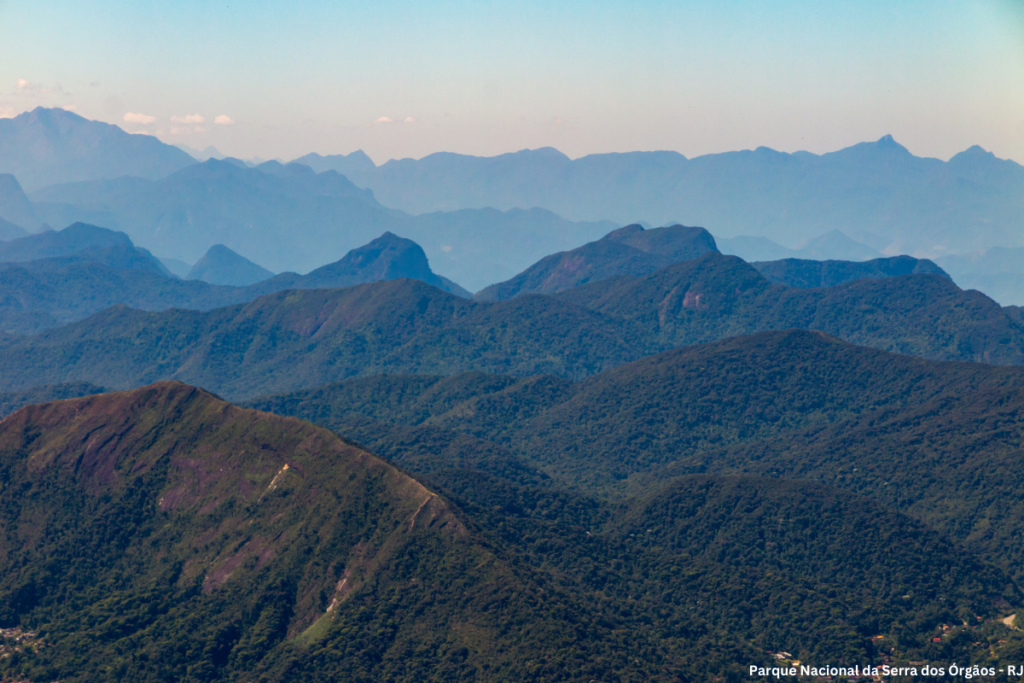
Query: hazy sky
point(404, 79)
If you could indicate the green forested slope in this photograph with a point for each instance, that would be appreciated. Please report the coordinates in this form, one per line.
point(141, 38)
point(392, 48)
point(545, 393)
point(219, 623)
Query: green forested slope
point(941, 441)
point(716, 296)
point(158, 535)
point(295, 339)
point(303, 338)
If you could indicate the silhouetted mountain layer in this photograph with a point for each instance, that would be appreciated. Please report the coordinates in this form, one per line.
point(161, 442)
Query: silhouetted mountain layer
point(807, 274)
point(972, 201)
point(627, 251)
point(999, 272)
point(287, 218)
point(15, 206)
point(221, 266)
point(10, 231)
point(71, 240)
point(388, 257)
point(49, 146)
point(41, 294)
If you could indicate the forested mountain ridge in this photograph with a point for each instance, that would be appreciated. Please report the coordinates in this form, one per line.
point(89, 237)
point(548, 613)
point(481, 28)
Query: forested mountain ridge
point(301, 338)
point(715, 296)
point(793, 404)
point(211, 542)
point(627, 251)
point(277, 545)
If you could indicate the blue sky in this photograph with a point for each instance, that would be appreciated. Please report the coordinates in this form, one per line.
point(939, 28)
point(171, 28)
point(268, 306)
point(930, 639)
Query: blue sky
point(401, 79)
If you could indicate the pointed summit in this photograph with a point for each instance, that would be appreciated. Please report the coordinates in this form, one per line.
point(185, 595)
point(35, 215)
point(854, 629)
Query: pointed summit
point(221, 266)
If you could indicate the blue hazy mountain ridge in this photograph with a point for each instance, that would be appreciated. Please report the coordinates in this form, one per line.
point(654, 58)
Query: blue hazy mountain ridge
point(78, 238)
point(49, 146)
point(631, 250)
point(11, 231)
point(999, 272)
point(973, 201)
point(177, 267)
point(286, 217)
point(55, 278)
point(809, 274)
point(221, 266)
point(15, 206)
point(831, 246)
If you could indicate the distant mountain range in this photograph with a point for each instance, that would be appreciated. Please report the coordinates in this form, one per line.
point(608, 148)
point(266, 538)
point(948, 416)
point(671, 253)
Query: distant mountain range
point(15, 206)
point(482, 220)
point(999, 272)
point(875, 192)
point(831, 246)
point(52, 278)
point(49, 146)
point(289, 218)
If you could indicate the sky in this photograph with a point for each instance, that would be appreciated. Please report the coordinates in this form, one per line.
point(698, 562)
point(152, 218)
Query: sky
point(396, 78)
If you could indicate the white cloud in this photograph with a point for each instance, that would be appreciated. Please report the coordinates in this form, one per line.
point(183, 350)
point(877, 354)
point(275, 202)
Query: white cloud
point(141, 119)
point(69, 107)
point(7, 111)
point(384, 119)
point(22, 84)
point(189, 119)
point(409, 119)
point(224, 120)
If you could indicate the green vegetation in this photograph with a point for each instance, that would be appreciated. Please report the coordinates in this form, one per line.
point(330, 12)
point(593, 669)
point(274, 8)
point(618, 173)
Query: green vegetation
point(715, 296)
point(296, 339)
point(12, 401)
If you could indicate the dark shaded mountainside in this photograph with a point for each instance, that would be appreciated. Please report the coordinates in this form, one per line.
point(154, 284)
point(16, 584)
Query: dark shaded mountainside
point(287, 217)
point(300, 338)
point(54, 278)
point(627, 251)
point(189, 539)
point(49, 146)
point(811, 274)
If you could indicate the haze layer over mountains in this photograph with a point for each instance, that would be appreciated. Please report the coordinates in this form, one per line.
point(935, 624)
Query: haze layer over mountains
point(482, 220)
